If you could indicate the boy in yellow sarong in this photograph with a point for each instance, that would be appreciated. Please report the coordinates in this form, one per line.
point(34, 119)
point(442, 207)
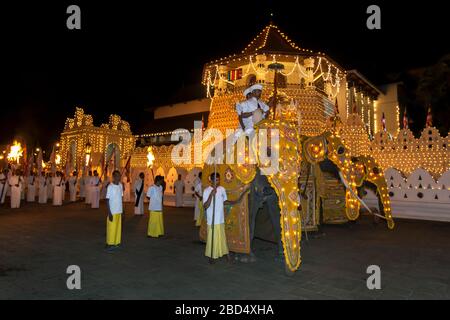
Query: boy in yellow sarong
point(155, 221)
point(114, 196)
point(216, 243)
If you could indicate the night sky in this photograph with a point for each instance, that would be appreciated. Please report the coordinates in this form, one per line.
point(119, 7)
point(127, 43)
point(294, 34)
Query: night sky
point(132, 55)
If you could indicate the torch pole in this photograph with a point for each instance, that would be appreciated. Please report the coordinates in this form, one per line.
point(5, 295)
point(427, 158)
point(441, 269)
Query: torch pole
point(275, 92)
point(214, 209)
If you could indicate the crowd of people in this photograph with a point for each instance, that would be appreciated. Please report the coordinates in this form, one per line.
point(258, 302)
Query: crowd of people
point(91, 188)
point(49, 188)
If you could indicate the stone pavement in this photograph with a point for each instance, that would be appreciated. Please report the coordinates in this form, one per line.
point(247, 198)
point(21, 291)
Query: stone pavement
point(38, 243)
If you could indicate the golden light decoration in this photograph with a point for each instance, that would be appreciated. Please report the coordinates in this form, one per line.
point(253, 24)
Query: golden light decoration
point(15, 153)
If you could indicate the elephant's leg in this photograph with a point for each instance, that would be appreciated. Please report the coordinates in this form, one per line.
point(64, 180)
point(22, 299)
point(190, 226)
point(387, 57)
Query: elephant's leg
point(274, 212)
point(254, 205)
point(384, 203)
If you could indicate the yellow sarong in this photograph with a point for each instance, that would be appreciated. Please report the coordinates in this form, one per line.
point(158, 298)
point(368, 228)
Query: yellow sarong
point(114, 230)
point(220, 242)
point(198, 223)
point(155, 224)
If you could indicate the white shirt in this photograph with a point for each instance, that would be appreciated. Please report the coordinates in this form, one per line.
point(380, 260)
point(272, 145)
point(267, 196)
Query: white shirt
point(41, 182)
point(155, 195)
point(57, 181)
point(138, 185)
point(114, 194)
point(14, 180)
point(250, 106)
point(73, 181)
point(260, 104)
point(94, 181)
point(31, 180)
point(221, 197)
point(179, 185)
point(247, 106)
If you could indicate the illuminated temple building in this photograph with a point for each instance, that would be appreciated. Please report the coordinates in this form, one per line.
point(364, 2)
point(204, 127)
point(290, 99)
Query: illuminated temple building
point(309, 84)
point(112, 140)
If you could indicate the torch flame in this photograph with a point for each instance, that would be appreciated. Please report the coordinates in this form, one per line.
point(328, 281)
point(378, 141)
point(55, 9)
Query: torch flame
point(150, 157)
point(16, 152)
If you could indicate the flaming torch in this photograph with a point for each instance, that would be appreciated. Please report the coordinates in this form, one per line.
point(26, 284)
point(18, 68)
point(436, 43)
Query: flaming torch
point(150, 160)
point(15, 153)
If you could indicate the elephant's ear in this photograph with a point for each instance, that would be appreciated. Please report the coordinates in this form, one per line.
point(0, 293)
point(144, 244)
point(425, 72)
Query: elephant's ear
point(314, 149)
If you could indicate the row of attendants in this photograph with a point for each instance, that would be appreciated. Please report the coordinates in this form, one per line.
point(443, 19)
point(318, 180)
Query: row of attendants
point(51, 188)
point(209, 205)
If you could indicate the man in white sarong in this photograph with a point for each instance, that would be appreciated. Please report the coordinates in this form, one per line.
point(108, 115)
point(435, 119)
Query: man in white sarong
point(95, 190)
point(16, 185)
point(73, 183)
point(43, 185)
point(127, 189)
point(31, 192)
point(139, 195)
point(179, 191)
point(3, 185)
point(87, 183)
point(57, 182)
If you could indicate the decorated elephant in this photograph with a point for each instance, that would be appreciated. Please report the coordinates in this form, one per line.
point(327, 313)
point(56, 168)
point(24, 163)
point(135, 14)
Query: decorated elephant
point(282, 191)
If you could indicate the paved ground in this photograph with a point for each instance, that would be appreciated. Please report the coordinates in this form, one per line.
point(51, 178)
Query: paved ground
point(38, 243)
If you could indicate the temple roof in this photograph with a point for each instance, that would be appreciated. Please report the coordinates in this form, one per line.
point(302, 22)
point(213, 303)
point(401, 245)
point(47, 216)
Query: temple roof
point(272, 40)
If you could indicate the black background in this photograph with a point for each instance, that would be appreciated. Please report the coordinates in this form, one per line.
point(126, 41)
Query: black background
point(132, 55)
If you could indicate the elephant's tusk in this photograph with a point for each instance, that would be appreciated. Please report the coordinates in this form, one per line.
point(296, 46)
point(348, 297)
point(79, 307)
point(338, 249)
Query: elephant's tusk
point(358, 198)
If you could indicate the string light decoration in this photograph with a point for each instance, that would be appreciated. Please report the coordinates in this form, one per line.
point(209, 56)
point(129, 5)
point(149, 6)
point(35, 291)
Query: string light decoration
point(293, 58)
point(406, 153)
